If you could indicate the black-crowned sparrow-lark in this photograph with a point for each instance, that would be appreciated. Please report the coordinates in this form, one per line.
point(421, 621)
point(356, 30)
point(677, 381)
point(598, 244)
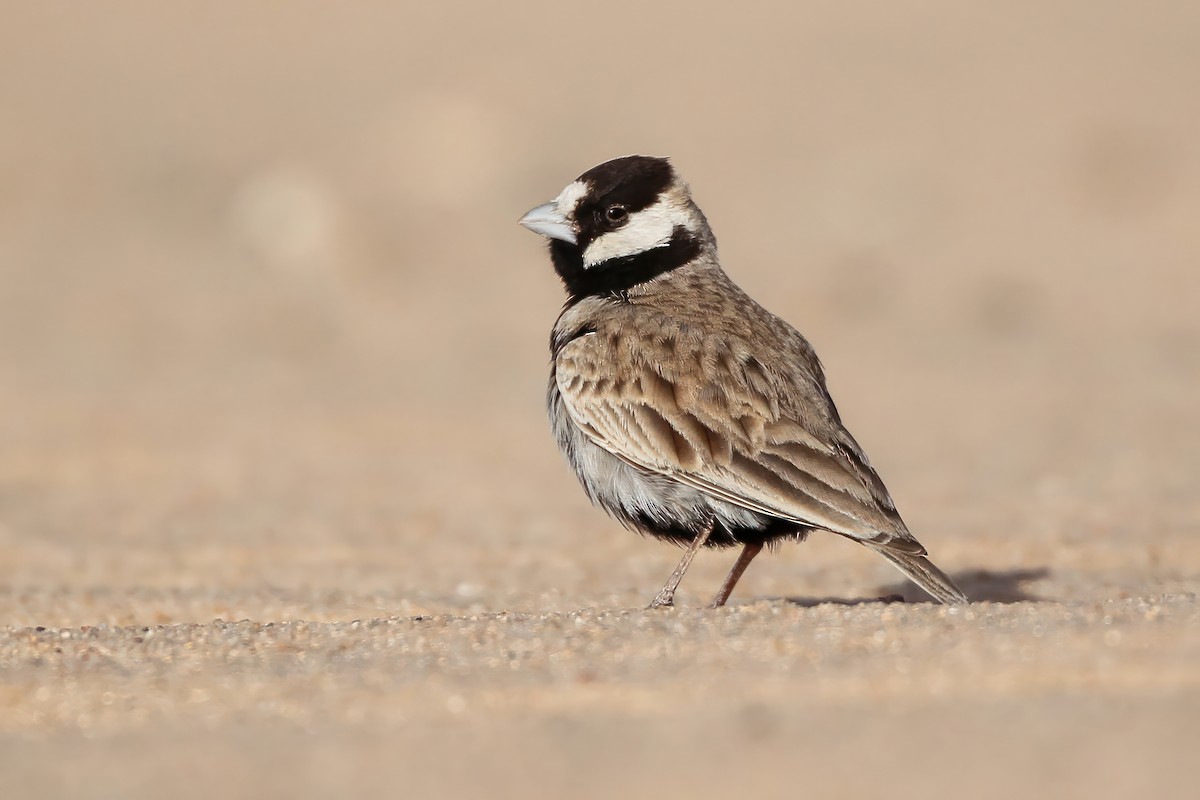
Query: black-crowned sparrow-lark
point(688, 411)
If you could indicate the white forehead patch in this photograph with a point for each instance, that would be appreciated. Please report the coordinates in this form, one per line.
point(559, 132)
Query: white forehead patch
point(569, 197)
point(648, 229)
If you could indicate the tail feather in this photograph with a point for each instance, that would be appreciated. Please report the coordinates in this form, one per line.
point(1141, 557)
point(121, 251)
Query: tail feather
point(923, 573)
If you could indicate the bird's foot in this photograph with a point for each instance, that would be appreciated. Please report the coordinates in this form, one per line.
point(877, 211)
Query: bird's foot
point(662, 600)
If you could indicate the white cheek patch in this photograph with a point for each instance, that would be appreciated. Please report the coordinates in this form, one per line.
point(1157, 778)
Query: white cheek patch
point(647, 229)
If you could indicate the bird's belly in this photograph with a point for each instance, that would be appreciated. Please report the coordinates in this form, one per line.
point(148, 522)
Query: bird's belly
point(651, 503)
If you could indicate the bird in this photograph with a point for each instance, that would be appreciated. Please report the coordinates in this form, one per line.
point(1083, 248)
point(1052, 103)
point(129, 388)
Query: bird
point(689, 412)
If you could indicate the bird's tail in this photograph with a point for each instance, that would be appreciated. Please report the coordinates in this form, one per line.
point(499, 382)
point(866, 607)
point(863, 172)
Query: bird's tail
point(925, 574)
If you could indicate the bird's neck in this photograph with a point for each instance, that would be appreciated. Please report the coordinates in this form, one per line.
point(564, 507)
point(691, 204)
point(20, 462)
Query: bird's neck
point(617, 276)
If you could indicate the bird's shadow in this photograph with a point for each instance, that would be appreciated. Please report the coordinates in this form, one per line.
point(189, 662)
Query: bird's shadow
point(980, 585)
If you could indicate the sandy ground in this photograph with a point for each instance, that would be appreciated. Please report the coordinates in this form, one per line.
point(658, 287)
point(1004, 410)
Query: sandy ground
point(279, 512)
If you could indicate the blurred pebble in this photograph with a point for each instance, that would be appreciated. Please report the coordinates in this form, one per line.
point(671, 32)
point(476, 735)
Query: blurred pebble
point(287, 217)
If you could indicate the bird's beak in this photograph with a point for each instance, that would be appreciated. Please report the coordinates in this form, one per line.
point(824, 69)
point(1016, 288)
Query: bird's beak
point(546, 220)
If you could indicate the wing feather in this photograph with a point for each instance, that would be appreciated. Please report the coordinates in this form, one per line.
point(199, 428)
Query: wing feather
point(708, 415)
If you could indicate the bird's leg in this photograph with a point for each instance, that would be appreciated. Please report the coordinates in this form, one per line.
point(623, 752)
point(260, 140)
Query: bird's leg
point(744, 558)
point(666, 595)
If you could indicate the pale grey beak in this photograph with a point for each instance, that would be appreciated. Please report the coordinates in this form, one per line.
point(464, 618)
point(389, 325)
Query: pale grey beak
point(546, 220)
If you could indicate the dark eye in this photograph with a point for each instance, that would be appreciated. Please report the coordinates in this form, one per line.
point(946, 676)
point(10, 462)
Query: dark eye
point(615, 213)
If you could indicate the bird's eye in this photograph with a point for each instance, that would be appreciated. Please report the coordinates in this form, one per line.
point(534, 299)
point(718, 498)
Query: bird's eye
point(615, 213)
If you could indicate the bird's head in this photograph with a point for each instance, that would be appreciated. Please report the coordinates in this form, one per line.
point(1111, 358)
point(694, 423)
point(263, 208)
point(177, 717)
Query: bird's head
point(621, 223)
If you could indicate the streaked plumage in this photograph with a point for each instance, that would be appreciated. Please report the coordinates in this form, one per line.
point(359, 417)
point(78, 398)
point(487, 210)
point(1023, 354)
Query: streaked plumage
point(688, 411)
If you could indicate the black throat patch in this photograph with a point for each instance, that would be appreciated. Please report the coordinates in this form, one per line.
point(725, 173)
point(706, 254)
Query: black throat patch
point(618, 275)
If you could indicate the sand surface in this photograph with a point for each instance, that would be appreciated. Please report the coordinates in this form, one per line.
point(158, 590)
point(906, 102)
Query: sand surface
point(280, 515)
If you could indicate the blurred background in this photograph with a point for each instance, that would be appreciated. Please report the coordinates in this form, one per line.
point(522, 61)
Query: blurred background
point(267, 319)
point(273, 347)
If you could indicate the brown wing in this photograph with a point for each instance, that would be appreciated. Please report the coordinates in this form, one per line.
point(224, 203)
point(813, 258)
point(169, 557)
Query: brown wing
point(707, 413)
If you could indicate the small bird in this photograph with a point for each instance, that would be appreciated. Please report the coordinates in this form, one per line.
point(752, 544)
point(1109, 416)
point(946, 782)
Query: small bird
point(688, 411)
